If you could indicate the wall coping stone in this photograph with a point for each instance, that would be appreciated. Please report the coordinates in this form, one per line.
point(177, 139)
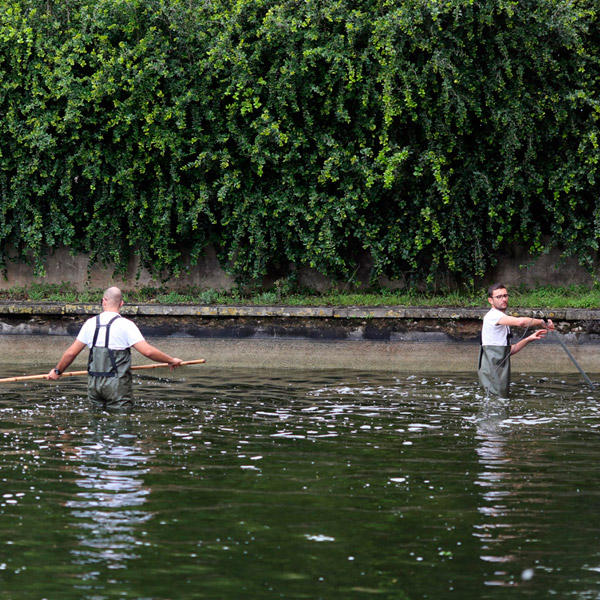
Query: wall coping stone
point(28, 308)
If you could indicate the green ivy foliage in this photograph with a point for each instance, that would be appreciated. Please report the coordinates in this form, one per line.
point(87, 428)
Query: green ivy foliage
point(428, 133)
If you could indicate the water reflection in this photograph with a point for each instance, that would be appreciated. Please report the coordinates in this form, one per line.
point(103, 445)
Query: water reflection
point(321, 486)
point(109, 464)
point(494, 460)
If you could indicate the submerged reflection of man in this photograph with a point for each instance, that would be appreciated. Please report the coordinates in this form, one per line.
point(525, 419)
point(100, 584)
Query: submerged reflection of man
point(108, 509)
point(500, 531)
point(493, 459)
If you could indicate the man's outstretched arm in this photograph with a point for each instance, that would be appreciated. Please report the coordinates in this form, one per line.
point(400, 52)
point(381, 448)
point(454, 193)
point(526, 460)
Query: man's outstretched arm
point(153, 353)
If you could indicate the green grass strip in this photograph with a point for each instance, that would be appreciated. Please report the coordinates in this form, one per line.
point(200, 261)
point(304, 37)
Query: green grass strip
point(549, 297)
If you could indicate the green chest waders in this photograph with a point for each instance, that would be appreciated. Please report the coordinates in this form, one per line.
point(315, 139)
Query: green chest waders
point(109, 372)
point(494, 368)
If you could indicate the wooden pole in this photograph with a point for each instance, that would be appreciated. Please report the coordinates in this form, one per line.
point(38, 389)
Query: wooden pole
point(76, 373)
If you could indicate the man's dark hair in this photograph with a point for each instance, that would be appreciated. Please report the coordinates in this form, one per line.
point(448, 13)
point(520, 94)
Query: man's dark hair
point(494, 287)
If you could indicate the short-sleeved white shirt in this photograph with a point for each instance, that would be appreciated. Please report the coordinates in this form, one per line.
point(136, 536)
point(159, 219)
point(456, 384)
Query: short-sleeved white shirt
point(493, 334)
point(123, 332)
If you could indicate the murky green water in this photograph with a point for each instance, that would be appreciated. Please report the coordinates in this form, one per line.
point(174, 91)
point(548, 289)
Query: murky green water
point(236, 484)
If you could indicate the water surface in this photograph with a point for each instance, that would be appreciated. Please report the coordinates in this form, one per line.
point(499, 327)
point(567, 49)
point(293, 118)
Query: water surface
point(288, 484)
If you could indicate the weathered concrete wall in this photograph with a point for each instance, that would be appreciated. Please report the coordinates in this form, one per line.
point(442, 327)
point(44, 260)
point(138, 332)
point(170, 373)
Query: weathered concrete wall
point(514, 268)
point(517, 267)
point(38, 354)
point(403, 340)
point(62, 266)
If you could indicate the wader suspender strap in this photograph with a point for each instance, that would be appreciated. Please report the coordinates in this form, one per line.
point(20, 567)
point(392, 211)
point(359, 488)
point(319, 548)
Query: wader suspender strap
point(113, 372)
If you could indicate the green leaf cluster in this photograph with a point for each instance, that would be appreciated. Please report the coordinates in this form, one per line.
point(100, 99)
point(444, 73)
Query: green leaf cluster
point(427, 133)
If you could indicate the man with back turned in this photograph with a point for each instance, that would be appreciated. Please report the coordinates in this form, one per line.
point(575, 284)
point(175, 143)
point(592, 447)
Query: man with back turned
point(109, 336)
point(496, 347)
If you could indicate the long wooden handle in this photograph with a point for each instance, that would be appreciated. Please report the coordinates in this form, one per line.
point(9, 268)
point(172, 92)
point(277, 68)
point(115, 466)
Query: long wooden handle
point(75, 373)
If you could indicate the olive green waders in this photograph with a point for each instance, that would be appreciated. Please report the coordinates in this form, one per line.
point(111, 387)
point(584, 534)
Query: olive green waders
point(109, 373)
point(494, 370)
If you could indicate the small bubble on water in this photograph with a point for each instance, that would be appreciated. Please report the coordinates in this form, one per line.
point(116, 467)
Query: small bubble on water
point(527, 575)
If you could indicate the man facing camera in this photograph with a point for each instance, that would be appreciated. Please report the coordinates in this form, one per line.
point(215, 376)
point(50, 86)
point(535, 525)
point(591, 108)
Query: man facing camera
point(496, 346)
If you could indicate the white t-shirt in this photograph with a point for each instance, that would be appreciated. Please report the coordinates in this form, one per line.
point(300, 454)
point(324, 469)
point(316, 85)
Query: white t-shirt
point(493, 334)
point(123, 332)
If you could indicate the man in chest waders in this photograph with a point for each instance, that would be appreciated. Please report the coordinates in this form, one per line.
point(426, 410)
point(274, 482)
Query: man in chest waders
point(110, 337)
point(496, 348)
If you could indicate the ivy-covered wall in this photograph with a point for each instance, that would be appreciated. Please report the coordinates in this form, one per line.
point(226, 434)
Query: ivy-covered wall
point(428, 133)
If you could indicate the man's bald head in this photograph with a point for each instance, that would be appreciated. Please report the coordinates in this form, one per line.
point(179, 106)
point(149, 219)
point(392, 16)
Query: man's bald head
point(113, 298)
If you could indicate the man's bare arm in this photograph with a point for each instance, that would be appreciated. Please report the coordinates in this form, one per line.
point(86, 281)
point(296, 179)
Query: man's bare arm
point(154, 353)
point(525, 322)
point(66, 359)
